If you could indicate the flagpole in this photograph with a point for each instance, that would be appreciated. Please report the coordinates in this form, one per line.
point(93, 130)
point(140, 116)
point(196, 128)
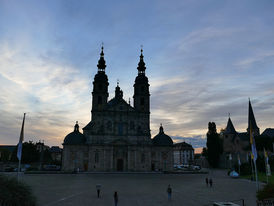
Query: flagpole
point(253, 145)
point(266, 175)
point(19, 168)
point(19, 147)
point(257, 185)
point(266, 164)
point(252, 167)
point(239, 164)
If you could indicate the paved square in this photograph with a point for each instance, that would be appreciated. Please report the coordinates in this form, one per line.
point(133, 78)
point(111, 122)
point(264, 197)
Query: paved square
point(139, 189)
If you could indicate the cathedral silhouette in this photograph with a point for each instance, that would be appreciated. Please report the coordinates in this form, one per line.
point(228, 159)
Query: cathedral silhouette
point(118, 136)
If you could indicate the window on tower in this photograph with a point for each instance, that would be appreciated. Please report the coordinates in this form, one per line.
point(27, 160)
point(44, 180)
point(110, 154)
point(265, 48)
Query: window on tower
point(142, 101)
point(109, 126)
point(120, 129)
point(99, 100)
point(132, 126)
point(100, 86)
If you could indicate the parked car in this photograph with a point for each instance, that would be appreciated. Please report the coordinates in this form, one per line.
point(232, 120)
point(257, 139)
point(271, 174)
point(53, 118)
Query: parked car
point(177, 167)
point(185, 166)
point(21, 169)
point(196, 167)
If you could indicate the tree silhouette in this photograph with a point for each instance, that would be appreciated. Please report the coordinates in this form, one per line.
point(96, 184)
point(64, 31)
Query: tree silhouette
point(214, 145)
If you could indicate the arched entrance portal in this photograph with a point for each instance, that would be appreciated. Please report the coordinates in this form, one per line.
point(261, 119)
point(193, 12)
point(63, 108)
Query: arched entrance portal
point(120, 164)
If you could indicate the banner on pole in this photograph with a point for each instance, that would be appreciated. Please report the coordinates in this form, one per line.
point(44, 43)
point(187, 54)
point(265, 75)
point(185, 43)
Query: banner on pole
point(21, 139)
point(239, 160)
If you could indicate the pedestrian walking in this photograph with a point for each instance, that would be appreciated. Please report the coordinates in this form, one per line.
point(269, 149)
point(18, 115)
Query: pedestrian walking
point(115, 198)
point(210, 182)
point(169, 191)
point(206, 182)
point(98, 188)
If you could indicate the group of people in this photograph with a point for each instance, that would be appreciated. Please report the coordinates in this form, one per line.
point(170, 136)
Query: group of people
point(169, 190)
point(115, 196)
point(209, 181)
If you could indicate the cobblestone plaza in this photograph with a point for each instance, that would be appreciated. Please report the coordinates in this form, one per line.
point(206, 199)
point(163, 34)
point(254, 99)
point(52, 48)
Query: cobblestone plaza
point(139, 189)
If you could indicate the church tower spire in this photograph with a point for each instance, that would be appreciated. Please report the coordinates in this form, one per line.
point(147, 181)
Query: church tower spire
point(100, 85)
point(141, 95)
point(102, 63)
point(252, 121)
point(141, 65)
point(230, 129)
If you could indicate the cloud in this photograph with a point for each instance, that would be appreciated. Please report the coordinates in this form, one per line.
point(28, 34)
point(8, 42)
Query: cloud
point(203, 61)
point(195, 141)
point(208, 34)
point(258, 57)
point(52, 94)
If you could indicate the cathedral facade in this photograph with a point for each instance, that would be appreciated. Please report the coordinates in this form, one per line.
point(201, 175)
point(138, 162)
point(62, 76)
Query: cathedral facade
point(118, 136)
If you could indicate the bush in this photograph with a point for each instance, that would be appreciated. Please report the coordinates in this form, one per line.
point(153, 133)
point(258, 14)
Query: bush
point(260, 163)
point(266, 192)
point(245, 169)
point(15, 193)
point(271, 162)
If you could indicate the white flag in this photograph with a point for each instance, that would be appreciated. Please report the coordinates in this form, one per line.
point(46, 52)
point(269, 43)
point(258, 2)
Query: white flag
point(239, 160)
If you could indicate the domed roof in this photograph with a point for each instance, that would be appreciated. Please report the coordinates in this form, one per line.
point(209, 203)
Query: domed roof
point(141, 79)
point(75, 137)
point(162, 139)
point(101, 77)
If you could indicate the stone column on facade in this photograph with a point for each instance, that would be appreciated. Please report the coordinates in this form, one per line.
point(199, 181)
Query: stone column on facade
point(90, 163)
point(104, 166)
point(128, 158)
point(111, 159)
point(135, 160)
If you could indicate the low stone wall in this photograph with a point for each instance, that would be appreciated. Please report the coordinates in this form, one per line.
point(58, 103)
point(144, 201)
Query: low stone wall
point(267, 202)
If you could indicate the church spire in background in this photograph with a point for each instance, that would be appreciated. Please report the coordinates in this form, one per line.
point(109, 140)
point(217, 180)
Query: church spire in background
point(141, 65)
point(230, 129)
point(101, 63)
point(252, 121)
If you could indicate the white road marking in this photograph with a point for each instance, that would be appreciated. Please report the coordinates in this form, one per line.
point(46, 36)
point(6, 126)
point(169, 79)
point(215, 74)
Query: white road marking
point(62, 199)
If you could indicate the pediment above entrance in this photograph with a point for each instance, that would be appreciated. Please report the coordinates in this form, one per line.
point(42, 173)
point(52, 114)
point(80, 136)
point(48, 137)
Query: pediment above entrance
point(119, 105)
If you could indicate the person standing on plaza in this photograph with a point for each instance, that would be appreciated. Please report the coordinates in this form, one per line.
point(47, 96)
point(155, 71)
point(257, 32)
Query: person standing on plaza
point(98, 188)
point(169, 191)
point(210, 182)
point(206, 182)
point(115, 198)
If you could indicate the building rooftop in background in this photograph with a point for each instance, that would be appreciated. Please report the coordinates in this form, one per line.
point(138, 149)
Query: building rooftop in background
point(269, 132)
point(183, 145)
point(10, 148)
